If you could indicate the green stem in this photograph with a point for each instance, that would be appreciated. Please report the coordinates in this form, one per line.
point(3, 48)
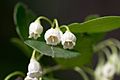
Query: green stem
point(64, 26)
point(114, 49)
point(33, 54)
point(44, 18)
point(40, 78)
point(13, 74)
point(103, 44)
point(117, 43)
point(79, 70)
point(38, 57)
point(51, 69)
point(55, 23)
point(101, 59)
point(89, 71)
point(107, 52)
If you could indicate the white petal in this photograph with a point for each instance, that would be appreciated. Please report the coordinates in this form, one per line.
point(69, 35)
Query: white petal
point(34, 68)
point(53, 36)
point(68, 40)
point(35, 29)
point(108, 70)
point(68, 36)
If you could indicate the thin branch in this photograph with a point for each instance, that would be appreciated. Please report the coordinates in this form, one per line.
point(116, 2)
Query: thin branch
point(51, 69)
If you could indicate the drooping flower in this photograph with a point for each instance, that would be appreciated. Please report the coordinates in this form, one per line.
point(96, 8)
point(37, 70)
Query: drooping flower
point(35, 30)
point(53, 36)
point(114, 60)
point(68, 40)
point(99, 74)
point(104, 70)
point(108, 70)
point(34, 69)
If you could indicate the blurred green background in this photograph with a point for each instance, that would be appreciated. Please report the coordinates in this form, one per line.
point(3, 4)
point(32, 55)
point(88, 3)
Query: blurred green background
point(66, 11)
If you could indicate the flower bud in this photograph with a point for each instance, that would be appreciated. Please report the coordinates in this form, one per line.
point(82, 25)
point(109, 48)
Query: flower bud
point(34, 69)
point(35, 29)
point(68, 40)
point(53, 36)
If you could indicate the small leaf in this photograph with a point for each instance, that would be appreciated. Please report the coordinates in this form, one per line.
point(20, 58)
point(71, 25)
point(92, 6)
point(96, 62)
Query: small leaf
point(101, 24)
point(22, 19)
point(89, 17)
point(50, 50)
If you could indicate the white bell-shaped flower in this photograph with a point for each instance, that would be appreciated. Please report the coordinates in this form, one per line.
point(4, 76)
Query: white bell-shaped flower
point(68, 40)
point(35, 30)
point(98, 74)
point(115, 60)
point(29, 78)
point(53, 36)
point(34, 69)
point(108, 70)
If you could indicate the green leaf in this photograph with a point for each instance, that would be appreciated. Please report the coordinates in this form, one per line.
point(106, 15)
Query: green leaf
point(101, 24)
point(50, 50)
point(89, 17)
point(22, 19)
point(97, 37)
point(85, 47)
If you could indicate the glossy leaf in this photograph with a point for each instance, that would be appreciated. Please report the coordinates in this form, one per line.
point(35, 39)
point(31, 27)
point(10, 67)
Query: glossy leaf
point(45, 49)
point(101, 24)
point(22, 19)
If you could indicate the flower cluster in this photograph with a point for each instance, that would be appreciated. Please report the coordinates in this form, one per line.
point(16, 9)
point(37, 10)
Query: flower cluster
point(54, 35)
point(107, 70)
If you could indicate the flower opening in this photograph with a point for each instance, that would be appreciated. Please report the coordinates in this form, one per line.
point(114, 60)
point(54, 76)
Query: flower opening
point(53, 36)
point(34, 69)
point(68, 40)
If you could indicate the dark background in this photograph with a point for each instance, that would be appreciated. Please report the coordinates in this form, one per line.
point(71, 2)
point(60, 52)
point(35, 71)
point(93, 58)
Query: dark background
point(66, 11)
